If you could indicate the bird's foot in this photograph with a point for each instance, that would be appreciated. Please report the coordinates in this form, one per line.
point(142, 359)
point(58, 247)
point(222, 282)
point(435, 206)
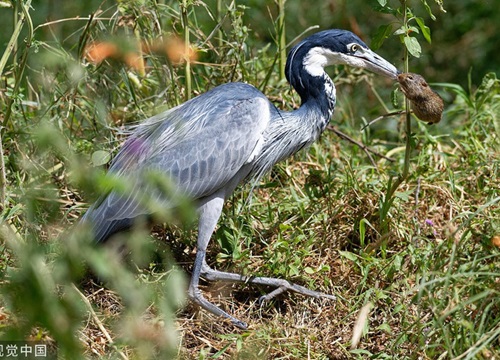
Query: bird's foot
point(196, 296)
point(280, 284)
point(287, 286)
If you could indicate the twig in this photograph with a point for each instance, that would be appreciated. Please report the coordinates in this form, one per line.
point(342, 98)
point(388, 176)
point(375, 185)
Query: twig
point(382, 117)
point(365, 148)
point(99, 323)
point(76, 18)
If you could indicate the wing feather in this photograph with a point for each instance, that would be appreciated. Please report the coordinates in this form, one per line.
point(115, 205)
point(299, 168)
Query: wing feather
point(200, 146)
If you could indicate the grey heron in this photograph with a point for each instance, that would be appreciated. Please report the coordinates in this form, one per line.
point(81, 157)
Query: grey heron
point(210, 144)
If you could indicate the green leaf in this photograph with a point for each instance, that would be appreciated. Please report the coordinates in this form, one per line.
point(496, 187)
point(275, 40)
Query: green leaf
point(309, 270)
point(403, 195)
point(381, 295)
point(413, 29)
point(221, 351)
point(458, 90)
point(400, 31)
point(362, 231)
point(426, 31)
point(413, 46)
point(488, 84)
point(100, 157)
point(361, 352)
point(294, 270)
point(348, 255)
point(428, 8)
point(386, 10)
point(382, 33)
point(382, 2)
point(239, 344)
point(398, 308)
point(385, 327)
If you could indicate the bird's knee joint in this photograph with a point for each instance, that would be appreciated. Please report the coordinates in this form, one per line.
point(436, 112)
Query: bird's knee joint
point(207, 272)
point(194, 293)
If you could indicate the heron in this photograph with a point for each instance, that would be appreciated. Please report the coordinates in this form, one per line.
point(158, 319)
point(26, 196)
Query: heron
point(226, 136)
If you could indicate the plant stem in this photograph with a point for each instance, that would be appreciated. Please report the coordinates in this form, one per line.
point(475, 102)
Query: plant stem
point(282, 38)
point(19, 73)
point(389, 198)
point(3, 176)
point(187, 69)
point(406, 168)
point(219, 19)
point(13, 40)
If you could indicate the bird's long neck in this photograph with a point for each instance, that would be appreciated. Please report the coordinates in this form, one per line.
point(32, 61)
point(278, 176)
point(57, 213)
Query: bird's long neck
point(291, 131)
point(305, 71)
point(318, 96)
point(316, 89)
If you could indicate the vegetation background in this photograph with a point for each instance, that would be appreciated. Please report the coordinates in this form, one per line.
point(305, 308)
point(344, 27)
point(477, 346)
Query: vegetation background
point(415, 270)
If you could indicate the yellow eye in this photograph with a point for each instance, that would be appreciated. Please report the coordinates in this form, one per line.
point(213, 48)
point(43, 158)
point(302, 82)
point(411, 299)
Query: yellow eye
point(354, 48)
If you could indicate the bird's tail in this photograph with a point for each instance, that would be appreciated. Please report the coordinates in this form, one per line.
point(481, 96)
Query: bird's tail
point(100, 226)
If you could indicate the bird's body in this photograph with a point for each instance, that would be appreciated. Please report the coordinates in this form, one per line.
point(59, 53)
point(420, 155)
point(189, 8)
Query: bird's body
point(232, 133)
point(245, 135)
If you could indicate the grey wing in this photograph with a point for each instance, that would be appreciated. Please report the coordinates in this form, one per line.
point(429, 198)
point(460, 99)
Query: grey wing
point(201, 146)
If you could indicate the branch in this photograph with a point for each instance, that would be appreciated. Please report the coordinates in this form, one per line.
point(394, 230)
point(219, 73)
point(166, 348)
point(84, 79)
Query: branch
point(365, 148)
point(382, 117)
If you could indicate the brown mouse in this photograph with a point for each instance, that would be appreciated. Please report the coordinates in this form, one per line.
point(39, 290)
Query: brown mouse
point(426, 104)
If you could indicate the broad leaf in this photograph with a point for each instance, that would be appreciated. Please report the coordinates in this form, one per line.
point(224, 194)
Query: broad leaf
point(400, 31)
point(100, 157)
point(348, 255)
point(426, 31)
point(382, 33)
point(413, 46)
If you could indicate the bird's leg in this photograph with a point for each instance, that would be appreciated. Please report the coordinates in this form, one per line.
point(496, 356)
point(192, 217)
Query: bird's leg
point(280, 284)
point(209, 213)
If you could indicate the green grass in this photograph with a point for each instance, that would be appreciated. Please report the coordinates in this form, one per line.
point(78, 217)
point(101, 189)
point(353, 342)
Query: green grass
point(426, 264)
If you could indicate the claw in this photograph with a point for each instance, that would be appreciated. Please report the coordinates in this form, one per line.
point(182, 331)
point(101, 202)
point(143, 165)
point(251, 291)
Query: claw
point(239, 324)
point(330, 297)
point(265, 298)
point(296, 288)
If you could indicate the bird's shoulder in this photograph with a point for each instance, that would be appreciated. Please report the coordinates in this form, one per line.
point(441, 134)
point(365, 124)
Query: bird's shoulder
point(216, 107)
point(236, 114)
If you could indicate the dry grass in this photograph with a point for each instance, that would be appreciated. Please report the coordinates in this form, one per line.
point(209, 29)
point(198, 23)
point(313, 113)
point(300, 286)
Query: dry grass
point(293, 326)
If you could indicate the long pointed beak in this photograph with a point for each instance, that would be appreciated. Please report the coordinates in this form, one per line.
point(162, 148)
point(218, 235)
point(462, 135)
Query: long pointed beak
point(378, 64)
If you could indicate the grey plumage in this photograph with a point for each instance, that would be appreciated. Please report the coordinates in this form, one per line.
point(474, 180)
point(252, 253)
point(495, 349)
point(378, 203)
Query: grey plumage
point(228, 135)
point(232, 126)
point(244, 136)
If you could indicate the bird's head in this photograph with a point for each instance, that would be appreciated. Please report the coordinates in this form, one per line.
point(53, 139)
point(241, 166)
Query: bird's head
point(335, 47)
